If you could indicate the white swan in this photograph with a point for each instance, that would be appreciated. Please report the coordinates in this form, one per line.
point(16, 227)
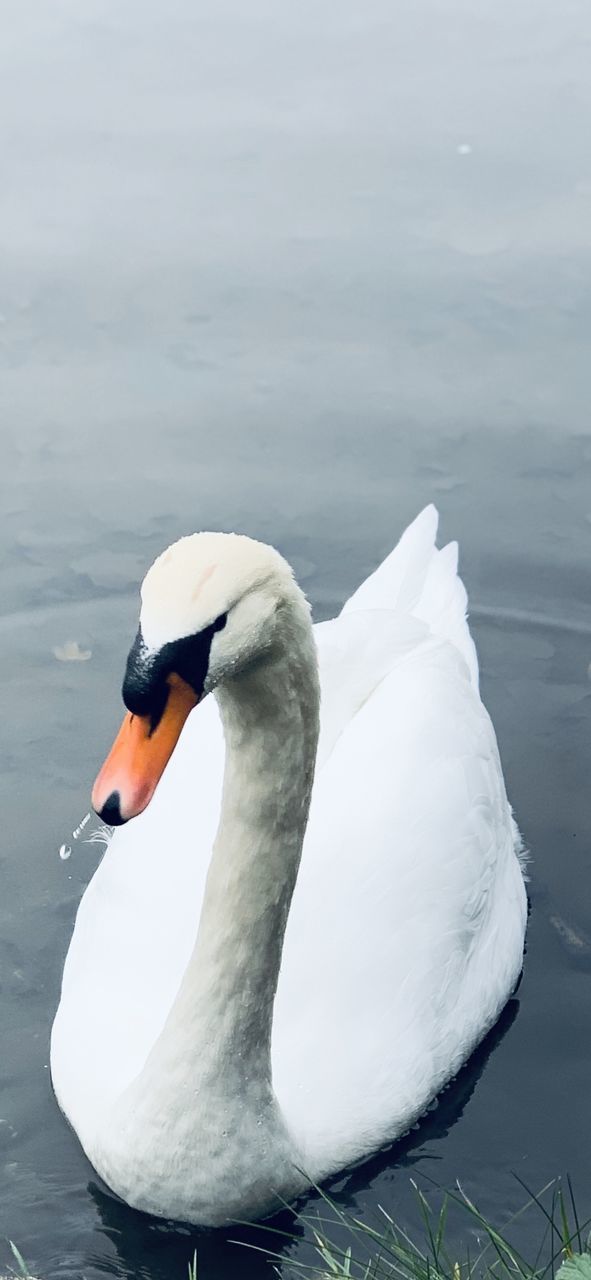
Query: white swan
point(195, 1092)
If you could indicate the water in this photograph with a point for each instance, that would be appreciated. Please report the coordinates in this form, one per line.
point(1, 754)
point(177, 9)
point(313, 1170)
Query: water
point(294, 270)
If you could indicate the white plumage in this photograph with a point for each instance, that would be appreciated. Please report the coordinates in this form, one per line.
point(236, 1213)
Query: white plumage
point(404, 938)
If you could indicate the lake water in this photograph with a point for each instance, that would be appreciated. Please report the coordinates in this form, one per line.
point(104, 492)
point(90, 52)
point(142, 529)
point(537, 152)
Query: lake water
point(297, 271)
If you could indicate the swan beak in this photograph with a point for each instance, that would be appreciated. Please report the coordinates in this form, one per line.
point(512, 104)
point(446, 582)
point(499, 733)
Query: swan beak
point(139, 755)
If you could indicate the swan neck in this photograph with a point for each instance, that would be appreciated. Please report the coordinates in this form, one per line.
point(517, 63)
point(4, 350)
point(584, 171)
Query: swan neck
point(270, 720)
point(270, 715)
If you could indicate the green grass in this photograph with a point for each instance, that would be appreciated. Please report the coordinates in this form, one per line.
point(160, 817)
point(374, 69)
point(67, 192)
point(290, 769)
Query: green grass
point(21, 1269)
point(479, 1250)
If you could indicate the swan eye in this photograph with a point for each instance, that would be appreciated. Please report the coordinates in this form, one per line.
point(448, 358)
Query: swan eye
point(145, 685)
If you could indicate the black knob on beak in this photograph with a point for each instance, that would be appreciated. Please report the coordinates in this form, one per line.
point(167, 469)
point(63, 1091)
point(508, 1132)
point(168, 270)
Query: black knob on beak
point(111, 811)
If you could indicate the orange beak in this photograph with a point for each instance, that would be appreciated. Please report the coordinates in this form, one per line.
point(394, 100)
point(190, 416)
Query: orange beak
point(139, 755)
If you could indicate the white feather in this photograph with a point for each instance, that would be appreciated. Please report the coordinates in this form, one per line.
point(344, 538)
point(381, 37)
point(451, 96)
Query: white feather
point(405, 934)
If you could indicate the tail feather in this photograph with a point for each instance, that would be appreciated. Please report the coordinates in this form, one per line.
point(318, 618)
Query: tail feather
point(398, 580)
point(419, 579)
point(443, 605)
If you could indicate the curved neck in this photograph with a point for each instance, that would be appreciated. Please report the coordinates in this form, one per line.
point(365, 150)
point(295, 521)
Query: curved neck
point(221, 1020)
point(270, 719)
point(204, 1100)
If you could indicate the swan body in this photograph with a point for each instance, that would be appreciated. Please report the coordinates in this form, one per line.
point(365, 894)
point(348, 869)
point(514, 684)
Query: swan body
point(235, 1022)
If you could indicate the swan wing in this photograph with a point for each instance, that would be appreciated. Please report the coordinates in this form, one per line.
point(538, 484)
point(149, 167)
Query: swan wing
point(136, 927)
point(405, 936)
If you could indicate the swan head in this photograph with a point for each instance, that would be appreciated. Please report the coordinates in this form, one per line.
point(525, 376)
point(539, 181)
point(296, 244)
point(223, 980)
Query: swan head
point(210, 606)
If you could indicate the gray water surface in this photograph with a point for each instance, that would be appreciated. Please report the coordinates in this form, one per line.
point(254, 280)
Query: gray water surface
point(297, 271)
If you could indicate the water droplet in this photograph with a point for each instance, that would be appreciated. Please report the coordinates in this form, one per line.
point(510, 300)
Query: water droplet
point(79, 829)
point(65, 852)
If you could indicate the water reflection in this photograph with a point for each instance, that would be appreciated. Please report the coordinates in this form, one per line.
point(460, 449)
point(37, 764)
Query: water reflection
point(157, 1250)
